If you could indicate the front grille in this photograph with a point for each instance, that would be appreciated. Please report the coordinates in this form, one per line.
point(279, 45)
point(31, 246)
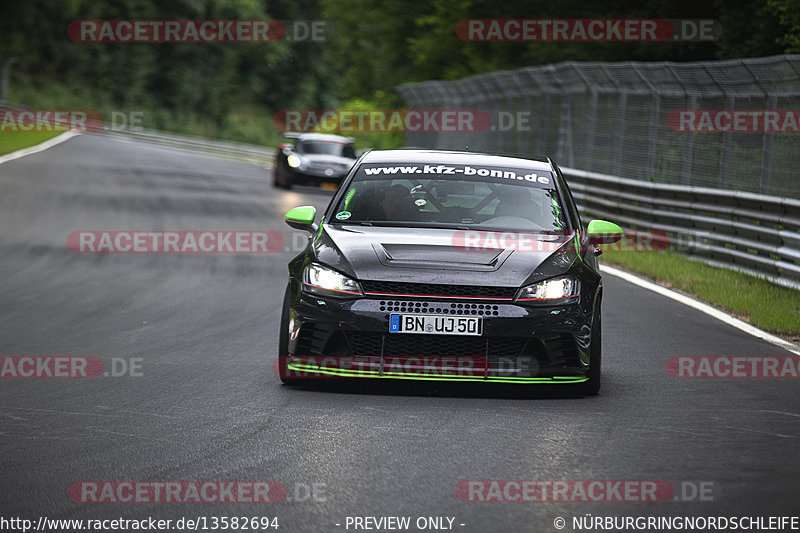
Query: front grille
point(396, 345)
point(444, 308)
point(429, 289)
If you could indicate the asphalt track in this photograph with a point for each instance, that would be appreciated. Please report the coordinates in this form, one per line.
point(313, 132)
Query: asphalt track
point(208, 406)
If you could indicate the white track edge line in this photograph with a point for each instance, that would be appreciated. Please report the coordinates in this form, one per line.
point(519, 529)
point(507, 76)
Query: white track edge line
point(703, 308)
point(39, 147)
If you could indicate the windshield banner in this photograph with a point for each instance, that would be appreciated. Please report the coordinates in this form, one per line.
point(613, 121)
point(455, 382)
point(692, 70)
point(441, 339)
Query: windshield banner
point(541, 179)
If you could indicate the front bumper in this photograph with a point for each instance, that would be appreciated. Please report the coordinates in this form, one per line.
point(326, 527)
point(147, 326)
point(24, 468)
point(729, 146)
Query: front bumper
point(331, 338)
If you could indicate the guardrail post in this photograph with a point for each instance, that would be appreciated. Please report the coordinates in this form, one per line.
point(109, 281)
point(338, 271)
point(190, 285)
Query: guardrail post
point(655, 127)
point(766, 154)
point(523, 141)
point(591, 127)
point(544, 123)
point(619, 138)
point(565, 131)
point(725, 156)
point(688, 149)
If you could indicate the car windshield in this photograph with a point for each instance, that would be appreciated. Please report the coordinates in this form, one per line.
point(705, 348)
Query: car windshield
point(326, 148)
point(451, 197)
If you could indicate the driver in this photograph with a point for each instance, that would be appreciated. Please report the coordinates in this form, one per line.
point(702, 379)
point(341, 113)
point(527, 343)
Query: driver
point(517, 202)
point(396, 203)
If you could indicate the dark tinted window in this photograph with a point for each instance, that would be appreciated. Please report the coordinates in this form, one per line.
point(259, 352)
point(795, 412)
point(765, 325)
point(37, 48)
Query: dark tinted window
point(326, 148)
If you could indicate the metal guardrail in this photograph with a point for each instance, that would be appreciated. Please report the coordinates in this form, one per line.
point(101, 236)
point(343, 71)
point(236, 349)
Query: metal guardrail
point(752, 233)
point(622, 119)
point(251, 153)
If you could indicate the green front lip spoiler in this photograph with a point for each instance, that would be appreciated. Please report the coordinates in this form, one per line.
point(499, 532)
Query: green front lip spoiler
point(301, 366)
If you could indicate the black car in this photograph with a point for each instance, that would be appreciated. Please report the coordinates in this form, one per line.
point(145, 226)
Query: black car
point(314, 159)
point(434, 265)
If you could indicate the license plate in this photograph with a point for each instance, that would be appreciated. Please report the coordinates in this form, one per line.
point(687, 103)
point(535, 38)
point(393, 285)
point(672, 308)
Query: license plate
point(436, 324)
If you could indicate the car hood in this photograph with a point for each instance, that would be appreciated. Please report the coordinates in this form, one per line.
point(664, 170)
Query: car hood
point(444, 256)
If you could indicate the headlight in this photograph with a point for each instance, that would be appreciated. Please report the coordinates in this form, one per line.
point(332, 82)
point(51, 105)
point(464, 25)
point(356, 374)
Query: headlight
point(554, 291)
point(323, 281)
point(294, 161)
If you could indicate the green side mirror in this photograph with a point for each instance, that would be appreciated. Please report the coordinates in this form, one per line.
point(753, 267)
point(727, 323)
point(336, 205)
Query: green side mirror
point(603, 232)
point(302, 218)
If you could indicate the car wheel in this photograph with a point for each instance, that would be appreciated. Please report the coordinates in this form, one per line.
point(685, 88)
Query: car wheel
point(592, 386)
point(277, 181)
point(283, 343)
point(283, 180)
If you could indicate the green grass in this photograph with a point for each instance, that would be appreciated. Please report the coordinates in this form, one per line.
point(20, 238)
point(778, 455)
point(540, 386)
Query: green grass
point(757, 301)
point(13, 141)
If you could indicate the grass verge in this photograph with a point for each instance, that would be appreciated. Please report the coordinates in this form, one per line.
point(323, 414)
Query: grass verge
point(11, 142)
point(244, 121)
point(761, 303)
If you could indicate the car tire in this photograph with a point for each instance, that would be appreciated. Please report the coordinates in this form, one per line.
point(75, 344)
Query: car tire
point(277, 181)
point(591, 387)
point(283, 342)
point(286, 181)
